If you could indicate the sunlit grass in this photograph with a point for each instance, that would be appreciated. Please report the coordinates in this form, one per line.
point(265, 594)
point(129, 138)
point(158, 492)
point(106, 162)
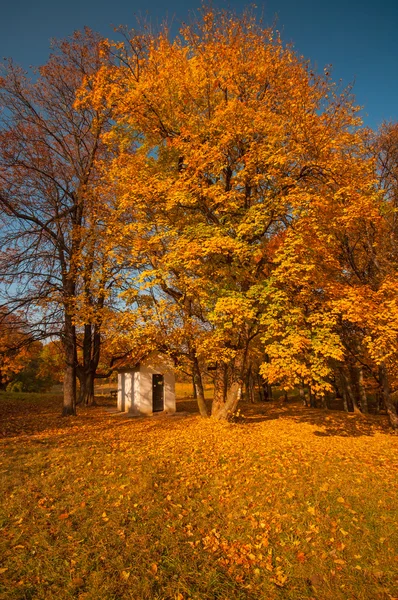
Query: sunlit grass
point(285, 503)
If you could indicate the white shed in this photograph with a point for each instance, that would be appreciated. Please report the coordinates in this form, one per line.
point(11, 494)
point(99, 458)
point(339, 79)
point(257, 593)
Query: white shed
point(147, 386)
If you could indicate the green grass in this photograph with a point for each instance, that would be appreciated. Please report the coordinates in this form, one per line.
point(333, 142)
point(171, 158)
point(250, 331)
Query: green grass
point(286, 503)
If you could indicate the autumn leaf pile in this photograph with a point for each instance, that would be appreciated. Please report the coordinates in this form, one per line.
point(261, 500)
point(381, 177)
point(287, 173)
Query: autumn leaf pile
point(283, 503)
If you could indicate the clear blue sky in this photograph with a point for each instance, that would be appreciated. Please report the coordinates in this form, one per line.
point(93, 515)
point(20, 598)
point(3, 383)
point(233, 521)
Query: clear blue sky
point(360, 39)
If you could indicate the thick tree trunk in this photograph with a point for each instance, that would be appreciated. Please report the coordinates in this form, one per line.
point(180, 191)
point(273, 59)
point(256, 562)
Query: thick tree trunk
point(86, 391)
point(354, 388)
point(198, 385)
point(219, 388)
point(224, 410)
point(86, 371)
point(228, 384)
point(89, 399)
point(82, 384)
point(194, 392)
point(226, 397)
point(347, 391)
point(69, 406)
point(390, 405)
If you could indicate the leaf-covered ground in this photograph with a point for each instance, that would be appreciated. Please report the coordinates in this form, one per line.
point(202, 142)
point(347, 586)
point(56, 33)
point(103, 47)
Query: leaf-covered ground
point(286, 503)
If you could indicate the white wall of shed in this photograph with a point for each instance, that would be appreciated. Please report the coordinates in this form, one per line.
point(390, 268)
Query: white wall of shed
point(120, 391)
point(146, 388)
point(129, 392)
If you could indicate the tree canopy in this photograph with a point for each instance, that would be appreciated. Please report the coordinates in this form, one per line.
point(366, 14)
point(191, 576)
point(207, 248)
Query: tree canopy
point(230, 194)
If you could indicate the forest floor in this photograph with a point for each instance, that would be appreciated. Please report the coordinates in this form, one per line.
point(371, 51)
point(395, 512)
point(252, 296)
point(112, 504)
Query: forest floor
point(285, 503)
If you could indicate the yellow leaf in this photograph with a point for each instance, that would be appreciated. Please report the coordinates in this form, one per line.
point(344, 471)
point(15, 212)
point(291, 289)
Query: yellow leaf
point(343, 532)
point(341, 500)
point(125, 575)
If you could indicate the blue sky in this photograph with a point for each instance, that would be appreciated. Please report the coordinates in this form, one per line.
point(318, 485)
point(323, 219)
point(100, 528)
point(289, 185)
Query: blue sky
point(359, 39)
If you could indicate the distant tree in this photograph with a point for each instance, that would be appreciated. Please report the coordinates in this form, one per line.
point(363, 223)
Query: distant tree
point(34, 376)
point(14, 343)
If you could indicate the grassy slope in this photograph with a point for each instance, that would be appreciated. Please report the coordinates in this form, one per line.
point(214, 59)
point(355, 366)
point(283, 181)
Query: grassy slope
point(287, 503)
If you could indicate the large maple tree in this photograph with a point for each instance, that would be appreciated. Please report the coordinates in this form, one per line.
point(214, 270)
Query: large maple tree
point(240, 173)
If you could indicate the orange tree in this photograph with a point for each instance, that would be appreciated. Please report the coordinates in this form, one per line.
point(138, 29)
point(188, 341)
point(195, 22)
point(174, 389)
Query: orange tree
point(236, 168)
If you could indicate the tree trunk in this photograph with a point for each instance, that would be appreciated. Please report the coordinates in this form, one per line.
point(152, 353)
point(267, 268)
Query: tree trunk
point(249, 386)
point(222, 411)
point(390, 405)
point(82, 384)
point(89, 399)
point(194, 392)
point(69, 406)
point(325, 401)
point(354, 388)
point(362, 391)
point(198, 385)
point(226, 397)
point(347, 391)
point(86, 372)
point(302, 394)
point(260, 384)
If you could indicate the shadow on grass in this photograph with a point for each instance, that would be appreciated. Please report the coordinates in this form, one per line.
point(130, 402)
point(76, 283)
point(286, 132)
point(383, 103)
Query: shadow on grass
point(24, 415)
point(330, 422)
point(334, 422)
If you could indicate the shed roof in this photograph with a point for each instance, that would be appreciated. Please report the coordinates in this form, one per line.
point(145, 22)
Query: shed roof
point(132, 360)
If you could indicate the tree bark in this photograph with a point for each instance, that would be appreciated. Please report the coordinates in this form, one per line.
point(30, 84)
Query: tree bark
point(302, 394)
point(222, 411)
point(390, 405)
point(198, 385)
point(347, 391)
point(69, 406)
point(362, 391)
point(353, 383)
point(194, 392)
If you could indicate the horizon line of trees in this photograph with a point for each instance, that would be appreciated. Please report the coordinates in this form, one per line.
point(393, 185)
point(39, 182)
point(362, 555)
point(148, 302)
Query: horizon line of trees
point(208, 195)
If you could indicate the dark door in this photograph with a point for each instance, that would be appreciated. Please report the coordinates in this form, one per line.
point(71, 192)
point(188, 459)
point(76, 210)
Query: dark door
point(157, 393)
